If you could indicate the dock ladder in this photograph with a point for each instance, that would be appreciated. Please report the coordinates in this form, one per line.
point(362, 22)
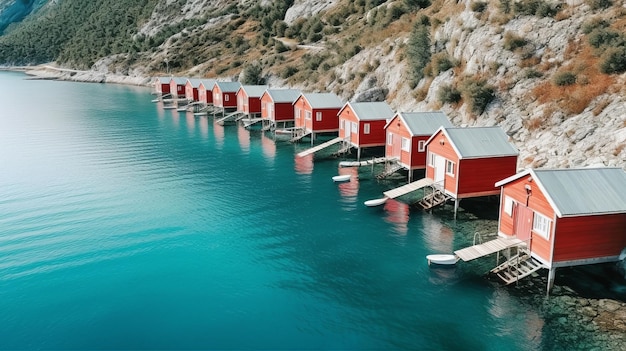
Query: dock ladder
point(435, 198)
point(517, 267)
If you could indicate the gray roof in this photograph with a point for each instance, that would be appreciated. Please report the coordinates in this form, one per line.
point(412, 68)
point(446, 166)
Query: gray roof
point(164, 80)
point(323, 100)
point(584, 190)
point(580, 191)
point(208, 83)
point(284, 95)
point(194, 82)
point(254, 90)
point(424, 123)
point(480, 142)
point(228, 87)
point(179, 80)
point(372, 110)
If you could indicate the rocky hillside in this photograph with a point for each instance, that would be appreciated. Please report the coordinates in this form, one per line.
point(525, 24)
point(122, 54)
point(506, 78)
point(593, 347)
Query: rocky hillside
point(551, 73)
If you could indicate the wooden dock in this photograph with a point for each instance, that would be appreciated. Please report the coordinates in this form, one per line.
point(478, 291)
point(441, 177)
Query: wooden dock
point(319, 147)
point(405, 189)
point(484, 249)
point(365, 163)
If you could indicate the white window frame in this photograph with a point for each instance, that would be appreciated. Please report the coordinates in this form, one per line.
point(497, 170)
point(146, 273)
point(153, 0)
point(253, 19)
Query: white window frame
point(318, 116)
point(307, 115)
point(406, 144)
point(366, 128)
point(341, 122)
point(450, 168)
point(355, 127)
point(421, 146)
point(226, 98)
point(541, 225)
point(431, 159)
point(508, 205)
point(390, 139)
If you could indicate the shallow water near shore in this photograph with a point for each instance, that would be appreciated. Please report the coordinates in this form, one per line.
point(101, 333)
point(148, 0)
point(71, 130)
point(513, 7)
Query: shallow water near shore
point(127, 226)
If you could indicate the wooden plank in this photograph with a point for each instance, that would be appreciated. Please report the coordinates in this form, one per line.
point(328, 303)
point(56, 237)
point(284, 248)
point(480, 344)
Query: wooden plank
point(319, 147)
point(405, 189)
point(480, 250)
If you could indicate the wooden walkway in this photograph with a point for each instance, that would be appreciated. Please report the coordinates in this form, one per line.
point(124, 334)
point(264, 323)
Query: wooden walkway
point(319, 147)
point(366, 162)
point(492, 246)
point(405, 189)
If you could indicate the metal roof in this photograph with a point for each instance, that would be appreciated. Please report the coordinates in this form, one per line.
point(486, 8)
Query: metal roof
point(179, 80)
point(208, 83)
point(480, 142)
point(228, 87)
point(372, 110)
point(583, 191)
point(194, 82)
point(323, 100)
point(164, 80)
point(284, 95)
point(424, 123)
point(254, 90)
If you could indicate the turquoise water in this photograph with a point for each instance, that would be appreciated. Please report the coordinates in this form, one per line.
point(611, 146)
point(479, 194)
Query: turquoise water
point(126, 226)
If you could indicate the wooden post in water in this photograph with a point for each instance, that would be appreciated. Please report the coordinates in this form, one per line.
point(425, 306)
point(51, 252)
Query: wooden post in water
point(551, 276)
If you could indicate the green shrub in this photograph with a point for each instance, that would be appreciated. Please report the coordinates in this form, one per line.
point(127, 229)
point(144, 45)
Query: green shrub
point(594, 23)
point(440, 62)
point(538, 8)
point(288, 72)
point(599, 4)
point(448, 94)
point(252, 75)
point(417, 4)
point(478, 6)
point(614, 60)
point(532, 73)
point(513, 41)
point(600, 37)
point(564, 78)
point(477, 94)
point(418, 49)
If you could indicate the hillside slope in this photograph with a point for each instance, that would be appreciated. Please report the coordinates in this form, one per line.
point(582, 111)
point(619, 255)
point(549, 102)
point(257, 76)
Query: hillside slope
point(550, 73)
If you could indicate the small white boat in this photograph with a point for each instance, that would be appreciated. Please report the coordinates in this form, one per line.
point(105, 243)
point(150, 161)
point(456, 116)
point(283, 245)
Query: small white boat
point(342, 178)
point(446, 259)
point(169, 107)
point(348, 164)
point(375, 202)
point(156, 100)
point(181, 109)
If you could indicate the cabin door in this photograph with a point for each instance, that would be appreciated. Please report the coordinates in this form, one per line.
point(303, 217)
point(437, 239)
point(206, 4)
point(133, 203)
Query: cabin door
point(523, 221)
point(396, 145)
point(440, 168)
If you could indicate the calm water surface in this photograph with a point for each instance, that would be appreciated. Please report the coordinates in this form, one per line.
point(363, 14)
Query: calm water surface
point(126, 226)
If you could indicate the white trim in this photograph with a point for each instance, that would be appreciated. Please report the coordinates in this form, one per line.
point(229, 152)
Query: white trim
point(318, 116)
point(450, 169)
point(366, 128)
point(421, 146)
point(508, 205)
point(406, 144)
point(541, 225)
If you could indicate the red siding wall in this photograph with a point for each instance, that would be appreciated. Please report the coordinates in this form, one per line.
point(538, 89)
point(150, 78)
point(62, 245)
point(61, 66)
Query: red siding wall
point(478, 176)
point(302, 105)
point(589, 237)
point(329, 122)
point(229, 100)
point(205, 95)
point(441, 146)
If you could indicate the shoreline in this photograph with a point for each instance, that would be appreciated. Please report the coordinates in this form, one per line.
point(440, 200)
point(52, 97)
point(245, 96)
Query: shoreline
point(51, 72)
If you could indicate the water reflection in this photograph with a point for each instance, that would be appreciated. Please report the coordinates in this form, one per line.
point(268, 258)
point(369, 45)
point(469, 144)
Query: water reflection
point(204, 128)
point(243, 135)
point(269, 147)
point(303, 165)
point(191, 123)
point(438, 237)
point(218, 132)
point(349, 189)
point(397, 214)
point(503, 306)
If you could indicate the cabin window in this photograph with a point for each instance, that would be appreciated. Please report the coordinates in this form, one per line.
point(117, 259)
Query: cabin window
point(307, 114)
point(318, 116)
point(341, 124)
point(508, 206)
point(355, 127)
point(421, 145)
point(541, 225)
point(431, 159)
point(366, 128)
point(226, 97)
point(389, 139)
point(263, 106)
point(297, 112)
point(450, 168)
point(406, 145)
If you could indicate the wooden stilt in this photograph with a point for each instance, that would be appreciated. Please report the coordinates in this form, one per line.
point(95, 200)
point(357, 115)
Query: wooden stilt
point(358, 154)
point(551, 276)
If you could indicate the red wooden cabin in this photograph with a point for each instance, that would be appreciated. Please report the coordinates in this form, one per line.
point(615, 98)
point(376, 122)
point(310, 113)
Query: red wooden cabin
point(205, 91)
point(317, 113)
point(362, 124)
point(162, 86)
point(277, 105)
point(177, 87)
point(466, 162)
point(191, 89)
point(407, 133)
point(225, 95)
point(567, 217)
point(249, 99)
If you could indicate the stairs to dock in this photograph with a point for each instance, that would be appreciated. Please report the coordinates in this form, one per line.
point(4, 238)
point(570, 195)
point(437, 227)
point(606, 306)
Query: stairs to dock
point(517, 267)
point(390, 169)
point(299, 134)
point(435, 198)
point(229, 117)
